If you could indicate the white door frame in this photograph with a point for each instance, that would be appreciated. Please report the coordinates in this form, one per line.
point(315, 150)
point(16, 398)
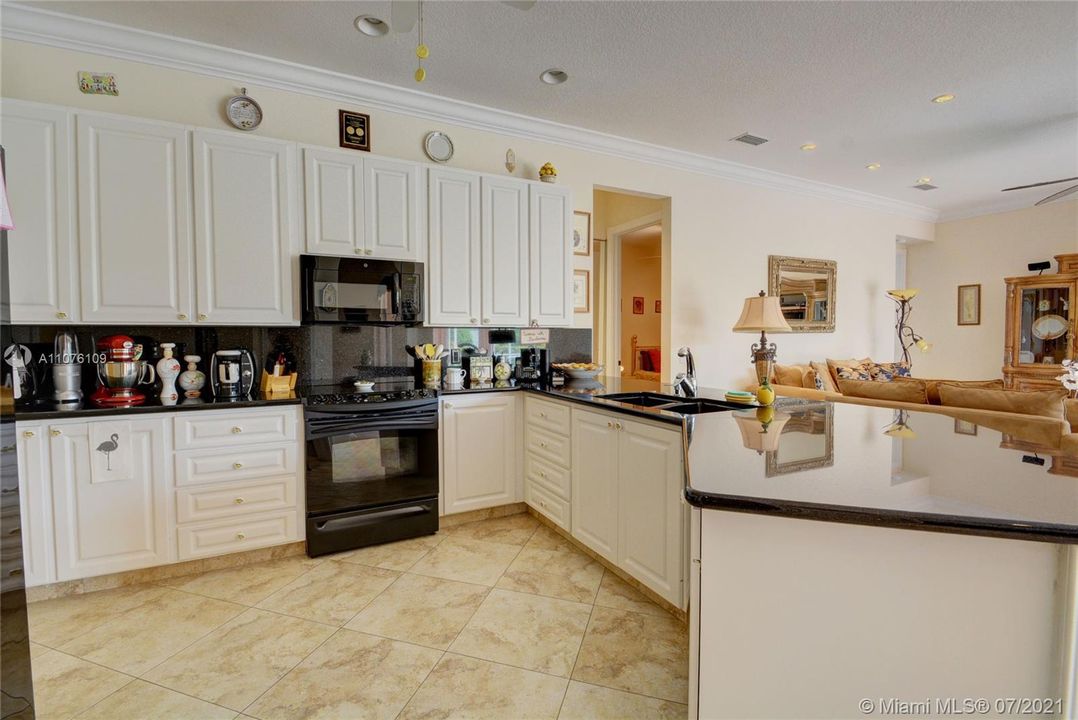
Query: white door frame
point(612, 342)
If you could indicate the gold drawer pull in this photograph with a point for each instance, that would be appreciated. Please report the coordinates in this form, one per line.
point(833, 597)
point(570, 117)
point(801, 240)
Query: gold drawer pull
point(238, 501)
point(609, 424)
point(202, 316)
point(236, 429)
point(61, 315)
point(542, 443)
point(542, 474)
point(241, 536)
point(55, 433)
point(27, 433)
point(181, 316)
point(617, 425)
point(542, 414)
point(237, 466)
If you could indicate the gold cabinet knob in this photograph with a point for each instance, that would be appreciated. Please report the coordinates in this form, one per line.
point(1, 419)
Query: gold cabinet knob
point(236, 429)
point(27, 433)
point(609, 424)
point(542, 414)
point(181, 316)
point(237, 466)
point(241, 536)
point(370, 252)
point(55, 433)
point(473, 321)
point(617, 425)
point(61, 315)
point(360, 251)
point(486, 321)
point(542, 443)
point(202, 316)
point(542, 474)
point(448, 406)
point(238, 501)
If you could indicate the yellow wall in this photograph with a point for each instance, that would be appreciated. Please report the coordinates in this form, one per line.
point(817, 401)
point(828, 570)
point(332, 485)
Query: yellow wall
point(721, 231)
point(641, 276)
point(982, 250)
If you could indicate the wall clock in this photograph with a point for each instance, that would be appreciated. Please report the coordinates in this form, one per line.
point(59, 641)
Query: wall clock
point(243, 112)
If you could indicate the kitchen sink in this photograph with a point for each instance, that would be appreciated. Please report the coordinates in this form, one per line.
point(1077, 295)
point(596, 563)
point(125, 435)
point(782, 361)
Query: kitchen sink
point(644, 399)
point(671, 403)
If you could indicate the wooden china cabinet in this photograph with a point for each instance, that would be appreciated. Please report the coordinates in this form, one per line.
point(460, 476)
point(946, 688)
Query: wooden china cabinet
point(1041, 318)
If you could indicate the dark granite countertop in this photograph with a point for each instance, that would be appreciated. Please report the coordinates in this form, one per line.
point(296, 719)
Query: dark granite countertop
point(52, 411)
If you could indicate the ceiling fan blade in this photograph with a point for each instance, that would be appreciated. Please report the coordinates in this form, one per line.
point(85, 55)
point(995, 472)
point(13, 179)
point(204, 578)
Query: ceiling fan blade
point(1050, 182)
point(520, 4)
point(403, 15)
point(1056, 196)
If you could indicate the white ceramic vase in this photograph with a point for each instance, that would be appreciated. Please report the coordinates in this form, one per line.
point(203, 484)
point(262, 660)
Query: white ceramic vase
point(168, 369)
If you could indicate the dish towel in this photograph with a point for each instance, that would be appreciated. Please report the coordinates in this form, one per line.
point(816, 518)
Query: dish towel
point(110, 451)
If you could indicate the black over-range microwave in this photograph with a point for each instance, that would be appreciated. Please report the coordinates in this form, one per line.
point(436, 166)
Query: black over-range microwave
point(355, 291)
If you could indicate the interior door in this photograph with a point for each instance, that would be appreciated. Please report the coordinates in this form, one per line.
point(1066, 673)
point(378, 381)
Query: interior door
point(480, 441)
point(595, 482)
point(392, 205)
point(651, 514)
point(243, 229)
point(40, 173)
point(504, 252)
point(134, 227)
point(333, 199)
point(551, 261)
point(453, 275)
point(110, 507)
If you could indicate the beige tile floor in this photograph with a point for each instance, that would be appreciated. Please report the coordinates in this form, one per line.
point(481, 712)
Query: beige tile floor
point(494, 619)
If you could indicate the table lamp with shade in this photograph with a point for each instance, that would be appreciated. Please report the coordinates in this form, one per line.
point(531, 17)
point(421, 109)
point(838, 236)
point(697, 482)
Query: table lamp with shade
point(762, 314)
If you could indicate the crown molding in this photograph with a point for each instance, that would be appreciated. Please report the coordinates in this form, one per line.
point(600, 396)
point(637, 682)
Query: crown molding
point(68, 32)
point(1004, 204)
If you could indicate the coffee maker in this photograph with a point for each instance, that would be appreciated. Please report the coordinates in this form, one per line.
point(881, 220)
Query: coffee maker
point(534, 365)
point(232, 373)
point(120, 371)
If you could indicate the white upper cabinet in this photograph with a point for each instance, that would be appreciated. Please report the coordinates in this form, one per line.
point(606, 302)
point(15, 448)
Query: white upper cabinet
point(453, 273)
point(243, 228)
point(551, 261)
point(333, 194)
point(40, 158)
point(504, 251)
point(134, 227)
point(391, 206)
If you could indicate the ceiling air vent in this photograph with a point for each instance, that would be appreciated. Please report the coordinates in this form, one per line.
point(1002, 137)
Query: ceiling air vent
point(749, 139)
point(926, 186)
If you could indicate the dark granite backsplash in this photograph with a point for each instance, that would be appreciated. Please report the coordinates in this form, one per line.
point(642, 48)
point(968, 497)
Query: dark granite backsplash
point(324, 353)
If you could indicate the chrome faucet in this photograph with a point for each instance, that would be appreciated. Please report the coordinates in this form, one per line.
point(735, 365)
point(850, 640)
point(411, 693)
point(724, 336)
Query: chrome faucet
point(685, 382)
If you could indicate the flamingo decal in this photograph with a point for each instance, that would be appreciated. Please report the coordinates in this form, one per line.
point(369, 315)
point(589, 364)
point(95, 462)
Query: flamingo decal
point(108, 447)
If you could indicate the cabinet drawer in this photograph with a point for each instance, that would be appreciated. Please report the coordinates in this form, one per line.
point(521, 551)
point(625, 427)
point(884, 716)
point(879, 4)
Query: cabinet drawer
point(556, 479)
point(234, 499)
point(195, 467)
point(548, 504)
point(550, 416)
point(550, 446)
point(237, 534)
point(203, 430)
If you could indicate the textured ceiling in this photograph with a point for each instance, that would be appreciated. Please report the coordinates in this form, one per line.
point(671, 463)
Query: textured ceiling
point(855, 78)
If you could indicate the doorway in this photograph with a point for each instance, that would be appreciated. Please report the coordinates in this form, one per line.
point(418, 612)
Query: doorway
point(630, 295)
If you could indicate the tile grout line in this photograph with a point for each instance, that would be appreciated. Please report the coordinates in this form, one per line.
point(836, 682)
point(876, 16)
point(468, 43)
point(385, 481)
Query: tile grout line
point(576, 658)
point(420, 685)
point(631, 692)
point(285, 674)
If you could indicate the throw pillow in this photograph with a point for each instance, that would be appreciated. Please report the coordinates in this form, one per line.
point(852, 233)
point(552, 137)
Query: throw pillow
point(913, 391)
point(850, 369)
point(1070, 407)
point(886, 372)
point(1044, 403)
point(823, 380)
point(934, 386)
point(787, 375)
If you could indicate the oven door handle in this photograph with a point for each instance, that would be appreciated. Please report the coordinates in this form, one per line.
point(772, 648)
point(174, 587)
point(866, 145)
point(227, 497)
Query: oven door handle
point(371, 518)
point(325, 428)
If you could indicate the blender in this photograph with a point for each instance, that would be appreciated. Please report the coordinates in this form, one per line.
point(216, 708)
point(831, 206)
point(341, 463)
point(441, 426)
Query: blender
point(66, 369)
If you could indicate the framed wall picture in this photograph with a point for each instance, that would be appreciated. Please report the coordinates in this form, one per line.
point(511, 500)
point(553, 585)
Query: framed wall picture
point(638, 305)
point(581, 291)
point(355, 130)
point(969, 304)
point(581, 232)
point(658, 307)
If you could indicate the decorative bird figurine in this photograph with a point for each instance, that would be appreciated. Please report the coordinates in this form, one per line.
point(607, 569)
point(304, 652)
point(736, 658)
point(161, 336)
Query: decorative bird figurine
point(108, 447)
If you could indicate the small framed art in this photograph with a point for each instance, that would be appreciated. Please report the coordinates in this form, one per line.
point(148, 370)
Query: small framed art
point(355, 130)
point(638, 305)
point(658, 307)
point(581, 232)
point(969, 304)
point(581, 291)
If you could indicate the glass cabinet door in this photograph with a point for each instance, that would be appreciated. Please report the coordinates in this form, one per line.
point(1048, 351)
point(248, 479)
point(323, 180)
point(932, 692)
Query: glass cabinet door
point(1044, 325)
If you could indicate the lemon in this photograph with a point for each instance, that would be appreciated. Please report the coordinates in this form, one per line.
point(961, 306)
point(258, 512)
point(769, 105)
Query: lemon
point(765, 395)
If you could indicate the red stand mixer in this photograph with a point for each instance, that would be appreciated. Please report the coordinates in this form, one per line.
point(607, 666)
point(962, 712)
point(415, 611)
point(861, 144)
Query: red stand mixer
point(120, 371)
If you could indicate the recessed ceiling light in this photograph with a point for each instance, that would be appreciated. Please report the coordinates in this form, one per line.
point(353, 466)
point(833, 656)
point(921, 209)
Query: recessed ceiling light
point(872, 166)
point(371, 26)
point(944, 98)
point(808, 146)
point(554, 76)
point(924, 180)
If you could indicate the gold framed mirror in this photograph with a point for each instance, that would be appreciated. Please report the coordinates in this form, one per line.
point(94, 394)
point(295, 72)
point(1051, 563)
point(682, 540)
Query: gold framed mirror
point(806, 440)
point(806, 290)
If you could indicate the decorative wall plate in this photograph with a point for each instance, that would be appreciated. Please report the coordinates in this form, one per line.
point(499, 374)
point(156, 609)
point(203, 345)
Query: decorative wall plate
point(1049, 327)
point(438, 147)
point(243, 112)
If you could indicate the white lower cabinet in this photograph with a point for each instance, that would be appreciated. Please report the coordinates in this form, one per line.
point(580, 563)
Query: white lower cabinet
point(595, 482)
point(480, 437)
point(109, 495)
